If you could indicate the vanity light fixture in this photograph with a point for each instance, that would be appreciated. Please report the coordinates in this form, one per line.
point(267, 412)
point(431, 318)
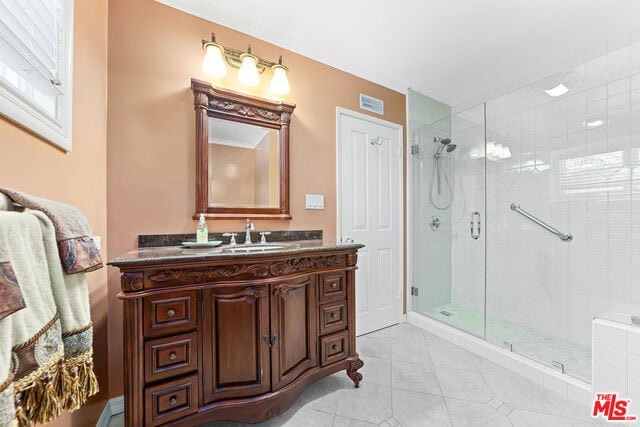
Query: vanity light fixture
point(250, 66)
point(248, 73)
point(279, 81)
point(213, 63)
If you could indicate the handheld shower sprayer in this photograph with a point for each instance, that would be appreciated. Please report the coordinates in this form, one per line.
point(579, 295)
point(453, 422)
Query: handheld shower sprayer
point(439, 175)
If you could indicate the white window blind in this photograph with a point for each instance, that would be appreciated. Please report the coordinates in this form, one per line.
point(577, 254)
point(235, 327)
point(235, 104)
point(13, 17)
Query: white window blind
point(35, 66)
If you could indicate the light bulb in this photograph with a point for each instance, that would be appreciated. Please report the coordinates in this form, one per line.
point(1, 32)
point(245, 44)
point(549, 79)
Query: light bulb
point(213, 63)
point(279, 82)
point(248, 74)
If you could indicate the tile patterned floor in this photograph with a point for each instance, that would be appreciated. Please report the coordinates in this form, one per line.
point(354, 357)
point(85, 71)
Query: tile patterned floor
point(413, 378)
point(526, 341)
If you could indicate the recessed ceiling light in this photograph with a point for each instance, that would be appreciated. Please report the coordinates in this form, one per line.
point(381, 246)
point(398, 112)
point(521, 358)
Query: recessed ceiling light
point(593, 123)
point(557, 91)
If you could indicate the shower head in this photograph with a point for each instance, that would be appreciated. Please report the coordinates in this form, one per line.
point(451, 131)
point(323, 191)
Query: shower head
point(443, 141)
point(446, 142)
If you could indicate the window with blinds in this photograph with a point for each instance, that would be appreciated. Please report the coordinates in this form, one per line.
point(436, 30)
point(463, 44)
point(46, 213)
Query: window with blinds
point(36, 57)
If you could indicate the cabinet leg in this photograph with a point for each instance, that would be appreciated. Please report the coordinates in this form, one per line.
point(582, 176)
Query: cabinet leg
point(352, 371)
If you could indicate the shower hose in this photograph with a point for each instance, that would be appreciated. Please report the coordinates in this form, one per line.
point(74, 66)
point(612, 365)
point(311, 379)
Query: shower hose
point(437, 172)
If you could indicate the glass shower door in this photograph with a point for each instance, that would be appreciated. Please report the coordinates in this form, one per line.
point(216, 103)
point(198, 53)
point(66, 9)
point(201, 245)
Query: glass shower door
point(536, 281)
point(448, 224)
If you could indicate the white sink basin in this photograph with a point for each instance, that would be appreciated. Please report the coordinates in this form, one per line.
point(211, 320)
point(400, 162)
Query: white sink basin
point(253, 248)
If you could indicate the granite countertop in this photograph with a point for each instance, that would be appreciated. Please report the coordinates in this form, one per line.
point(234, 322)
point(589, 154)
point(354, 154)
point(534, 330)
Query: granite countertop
point(179, 253)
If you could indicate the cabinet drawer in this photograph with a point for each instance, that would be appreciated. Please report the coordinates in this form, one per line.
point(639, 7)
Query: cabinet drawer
point(170, 356)
point(333, 317)
point(334, 347)
point(332, 287)
point(170, 313)
point(168, 401)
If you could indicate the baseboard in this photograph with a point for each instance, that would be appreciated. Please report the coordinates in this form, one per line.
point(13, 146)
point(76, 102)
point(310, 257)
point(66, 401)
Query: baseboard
point(113, 407)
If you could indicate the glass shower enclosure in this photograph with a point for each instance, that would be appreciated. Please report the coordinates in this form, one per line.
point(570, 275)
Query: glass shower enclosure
point(496, 190)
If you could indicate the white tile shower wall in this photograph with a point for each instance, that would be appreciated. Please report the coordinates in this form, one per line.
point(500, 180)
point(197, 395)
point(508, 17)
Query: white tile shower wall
point(575, 163)
point(616, 361)
point(469, 193)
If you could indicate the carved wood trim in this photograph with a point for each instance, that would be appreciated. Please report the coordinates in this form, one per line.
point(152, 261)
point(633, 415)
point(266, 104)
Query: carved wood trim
point(250, 271)
point(283, 289)
point(132, 281)
point(352, 371)
point(352, 259)
point(244, 110)
point(253, 291)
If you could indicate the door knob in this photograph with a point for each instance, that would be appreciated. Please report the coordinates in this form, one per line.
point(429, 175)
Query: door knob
point(172, 356)
point(172, 401)
point(171, 313)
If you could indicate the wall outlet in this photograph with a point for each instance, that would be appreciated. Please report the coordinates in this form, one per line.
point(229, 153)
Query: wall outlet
point(314, 201)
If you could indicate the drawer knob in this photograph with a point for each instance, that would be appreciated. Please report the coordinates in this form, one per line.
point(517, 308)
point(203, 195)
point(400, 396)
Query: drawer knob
point(172, 401)
point(334, 285)
point(171, 313)
point(334, 316)
point(172, 356)
point(335, 347)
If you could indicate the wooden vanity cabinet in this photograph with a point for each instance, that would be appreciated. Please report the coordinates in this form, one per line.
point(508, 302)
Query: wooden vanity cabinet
point(234, 338)
point(293, 329)
point(235, 359)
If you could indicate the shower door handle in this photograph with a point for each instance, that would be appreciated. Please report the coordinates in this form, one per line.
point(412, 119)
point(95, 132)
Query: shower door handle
point(474, 225)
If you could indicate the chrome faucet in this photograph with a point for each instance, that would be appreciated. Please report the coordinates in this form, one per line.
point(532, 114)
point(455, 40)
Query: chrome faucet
point(248, 228)
point(232, 242)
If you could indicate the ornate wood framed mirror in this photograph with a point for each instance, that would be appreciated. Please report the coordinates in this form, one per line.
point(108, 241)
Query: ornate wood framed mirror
point(242, 152)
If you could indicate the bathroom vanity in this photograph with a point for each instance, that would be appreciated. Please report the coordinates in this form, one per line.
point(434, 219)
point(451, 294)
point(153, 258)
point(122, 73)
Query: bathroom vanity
point(211, 334)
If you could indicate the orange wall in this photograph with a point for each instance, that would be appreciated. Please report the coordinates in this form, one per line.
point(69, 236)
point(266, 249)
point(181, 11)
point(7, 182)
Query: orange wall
point(154, 50)
point(239, 188)
point(30, 164)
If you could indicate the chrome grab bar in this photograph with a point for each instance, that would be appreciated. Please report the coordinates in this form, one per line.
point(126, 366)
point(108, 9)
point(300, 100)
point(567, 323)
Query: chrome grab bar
point(565, 237)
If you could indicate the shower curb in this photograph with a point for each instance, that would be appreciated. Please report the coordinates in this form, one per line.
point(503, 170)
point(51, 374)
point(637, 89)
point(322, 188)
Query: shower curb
point(571, 388)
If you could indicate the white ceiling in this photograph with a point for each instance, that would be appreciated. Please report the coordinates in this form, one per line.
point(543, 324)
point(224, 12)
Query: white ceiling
point(451, 50)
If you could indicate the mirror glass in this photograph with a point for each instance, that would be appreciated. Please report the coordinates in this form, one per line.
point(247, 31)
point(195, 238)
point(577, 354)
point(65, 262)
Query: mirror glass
point(244, 165)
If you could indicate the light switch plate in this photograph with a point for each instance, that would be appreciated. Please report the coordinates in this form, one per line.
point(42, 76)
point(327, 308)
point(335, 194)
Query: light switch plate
point(314, 201)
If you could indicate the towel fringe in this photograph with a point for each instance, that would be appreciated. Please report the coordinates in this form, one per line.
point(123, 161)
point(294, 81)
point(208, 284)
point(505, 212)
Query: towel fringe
point(21, 416)
point(81, 382)
point(63, 384)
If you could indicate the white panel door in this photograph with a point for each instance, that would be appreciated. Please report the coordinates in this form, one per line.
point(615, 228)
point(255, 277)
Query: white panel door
point(370, 192)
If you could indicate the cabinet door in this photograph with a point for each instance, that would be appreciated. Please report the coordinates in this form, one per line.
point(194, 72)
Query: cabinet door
point(235, 352)
point(294, 326)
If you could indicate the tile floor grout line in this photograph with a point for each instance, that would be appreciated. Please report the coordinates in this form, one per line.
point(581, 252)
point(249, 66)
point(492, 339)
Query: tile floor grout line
point(446, 407)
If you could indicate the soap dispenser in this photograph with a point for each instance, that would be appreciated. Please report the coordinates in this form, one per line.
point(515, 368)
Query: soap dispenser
point(202, 234)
